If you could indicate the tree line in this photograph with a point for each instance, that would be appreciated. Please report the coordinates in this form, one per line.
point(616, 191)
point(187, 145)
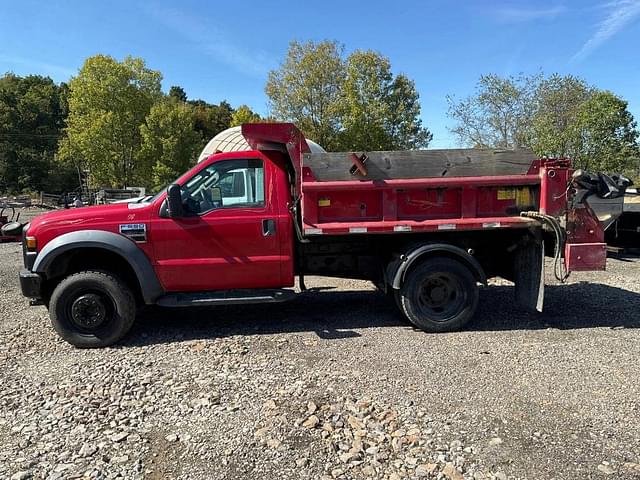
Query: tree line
point(113, 122)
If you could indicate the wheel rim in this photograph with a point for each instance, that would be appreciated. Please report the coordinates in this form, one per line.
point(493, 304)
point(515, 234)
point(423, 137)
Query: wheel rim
point(441, 296)
point(90, 311)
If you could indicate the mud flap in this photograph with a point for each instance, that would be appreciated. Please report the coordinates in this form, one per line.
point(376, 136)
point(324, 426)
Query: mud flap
point(529, 276)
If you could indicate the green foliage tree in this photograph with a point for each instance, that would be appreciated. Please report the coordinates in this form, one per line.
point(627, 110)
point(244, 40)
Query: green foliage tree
point(108, 101)
point(499, 114)
point(169, 142)
point(306, 89)
point(243, 114)
point(403, 124)
point(178, 93)
point(380, 112)
point(32, 112)
point(558, 101)
point(211, 119)
point(604, 136)
point(364, 101)
point(353, 103)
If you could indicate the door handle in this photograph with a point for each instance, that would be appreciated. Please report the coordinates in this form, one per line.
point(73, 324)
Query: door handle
point(268, 227)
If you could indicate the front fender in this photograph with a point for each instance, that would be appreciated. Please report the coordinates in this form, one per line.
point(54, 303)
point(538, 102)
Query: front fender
point(127, 249)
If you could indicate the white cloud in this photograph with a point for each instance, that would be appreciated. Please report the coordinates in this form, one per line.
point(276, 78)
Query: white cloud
point(620, 14)
point(41, 68)
point(516, 15)
point(214, 42)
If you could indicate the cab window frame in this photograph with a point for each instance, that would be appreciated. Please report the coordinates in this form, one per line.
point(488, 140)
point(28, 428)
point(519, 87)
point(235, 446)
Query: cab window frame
point(254, 164)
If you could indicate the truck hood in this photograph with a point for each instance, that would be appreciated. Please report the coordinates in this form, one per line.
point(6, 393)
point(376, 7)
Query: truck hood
point(101, 217)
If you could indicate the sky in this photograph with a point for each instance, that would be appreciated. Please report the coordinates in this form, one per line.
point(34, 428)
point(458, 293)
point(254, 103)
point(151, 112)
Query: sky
point(224, 50)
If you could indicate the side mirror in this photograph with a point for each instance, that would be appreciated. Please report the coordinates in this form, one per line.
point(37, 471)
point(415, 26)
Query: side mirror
point(174, 201)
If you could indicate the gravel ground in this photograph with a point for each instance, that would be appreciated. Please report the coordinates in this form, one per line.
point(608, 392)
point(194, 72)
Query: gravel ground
point(331, 385)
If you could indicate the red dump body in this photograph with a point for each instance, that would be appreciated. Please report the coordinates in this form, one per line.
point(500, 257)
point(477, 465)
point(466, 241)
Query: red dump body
point(357, 201)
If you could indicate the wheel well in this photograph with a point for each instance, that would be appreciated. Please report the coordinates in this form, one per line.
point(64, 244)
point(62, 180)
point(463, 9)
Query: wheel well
point(88, 258)
point(395, 268)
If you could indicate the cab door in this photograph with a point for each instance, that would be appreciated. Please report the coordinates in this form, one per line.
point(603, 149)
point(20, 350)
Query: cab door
point(228, 237)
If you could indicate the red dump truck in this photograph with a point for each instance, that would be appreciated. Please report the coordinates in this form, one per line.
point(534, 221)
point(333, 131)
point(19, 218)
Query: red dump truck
point(428, 227)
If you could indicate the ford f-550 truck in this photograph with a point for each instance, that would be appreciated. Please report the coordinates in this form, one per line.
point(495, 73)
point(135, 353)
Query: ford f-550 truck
point(426, 226)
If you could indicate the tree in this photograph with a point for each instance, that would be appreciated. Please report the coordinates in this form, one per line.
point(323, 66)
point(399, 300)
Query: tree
point(379, 112)
point(499, 114)
point(306, 89)
point(364, 104)
point(169, 142)
point(211, 119)
point(243, 114)
point(558, 101)
point(403, 125)
point(353, 103)
point(108, 101)
point(32, 112)
point(604, 136)
point(178, 93)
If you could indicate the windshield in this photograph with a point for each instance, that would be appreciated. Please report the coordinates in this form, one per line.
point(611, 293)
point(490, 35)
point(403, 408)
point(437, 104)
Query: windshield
point(157, 195)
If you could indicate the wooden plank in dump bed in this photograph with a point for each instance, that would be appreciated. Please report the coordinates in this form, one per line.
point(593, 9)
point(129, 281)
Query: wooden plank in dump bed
point(471, 162)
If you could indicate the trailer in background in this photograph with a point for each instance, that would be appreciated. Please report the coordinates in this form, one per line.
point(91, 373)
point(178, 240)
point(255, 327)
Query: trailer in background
point(624, 234)
point(118, 195)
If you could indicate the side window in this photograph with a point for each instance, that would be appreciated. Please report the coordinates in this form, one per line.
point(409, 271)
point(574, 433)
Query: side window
point(229, 183)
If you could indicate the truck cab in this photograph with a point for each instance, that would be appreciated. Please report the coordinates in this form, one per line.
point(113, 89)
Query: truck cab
point(233, 232)
point(233, 228)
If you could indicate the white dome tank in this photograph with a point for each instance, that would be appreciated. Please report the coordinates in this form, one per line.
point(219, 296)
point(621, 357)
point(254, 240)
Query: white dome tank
point(231, 140)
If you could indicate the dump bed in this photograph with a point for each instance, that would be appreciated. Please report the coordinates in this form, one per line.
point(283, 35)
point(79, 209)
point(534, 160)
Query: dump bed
point(443, 190)
point(412, 191)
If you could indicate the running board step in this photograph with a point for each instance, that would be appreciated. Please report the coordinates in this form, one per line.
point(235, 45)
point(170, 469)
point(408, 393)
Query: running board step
point(225, 297)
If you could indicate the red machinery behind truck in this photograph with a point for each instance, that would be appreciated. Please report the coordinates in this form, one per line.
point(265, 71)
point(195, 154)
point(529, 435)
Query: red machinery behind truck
point(426, 226)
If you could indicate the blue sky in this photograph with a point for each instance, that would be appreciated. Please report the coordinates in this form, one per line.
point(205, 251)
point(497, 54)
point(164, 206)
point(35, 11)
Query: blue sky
point(223, 50)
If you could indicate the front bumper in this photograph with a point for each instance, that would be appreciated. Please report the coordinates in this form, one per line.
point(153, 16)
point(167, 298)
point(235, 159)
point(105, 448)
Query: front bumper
point(30, 284)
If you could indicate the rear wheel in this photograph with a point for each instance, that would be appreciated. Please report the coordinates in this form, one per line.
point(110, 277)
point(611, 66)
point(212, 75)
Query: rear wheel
point(92, 309)
point(439, 295)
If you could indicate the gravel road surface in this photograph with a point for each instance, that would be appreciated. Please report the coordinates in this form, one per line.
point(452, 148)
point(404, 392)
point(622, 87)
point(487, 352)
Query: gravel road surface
point(331, 385)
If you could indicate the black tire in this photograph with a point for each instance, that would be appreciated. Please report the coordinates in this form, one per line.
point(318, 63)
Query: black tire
point(439, 295)
point(92, 309)
point(11, 229)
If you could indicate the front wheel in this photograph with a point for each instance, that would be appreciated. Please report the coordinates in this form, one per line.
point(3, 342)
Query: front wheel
point(439, 295)
point(92, 309)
